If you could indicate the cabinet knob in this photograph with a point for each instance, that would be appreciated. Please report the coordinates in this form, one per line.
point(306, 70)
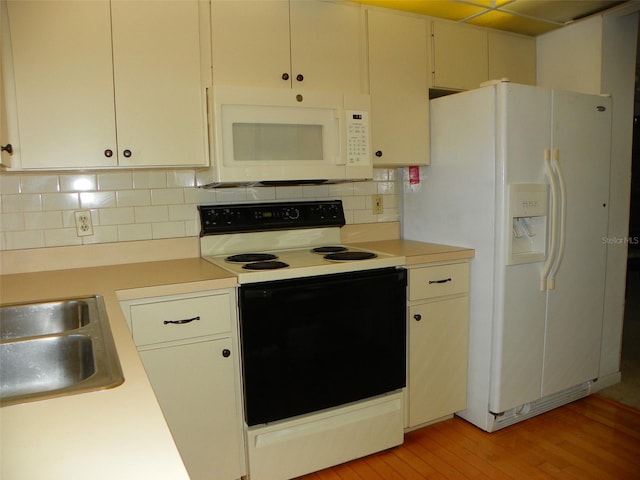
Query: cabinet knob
point(7, 148)
point(417, 317)
point(127, 153)
point(285, 76)
point(299, 97)
point(226, 353)
point(108, 153)
point(378, 153)
point(299, 77)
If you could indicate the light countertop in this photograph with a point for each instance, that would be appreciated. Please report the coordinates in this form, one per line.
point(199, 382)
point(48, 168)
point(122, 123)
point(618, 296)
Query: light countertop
point(117, 433)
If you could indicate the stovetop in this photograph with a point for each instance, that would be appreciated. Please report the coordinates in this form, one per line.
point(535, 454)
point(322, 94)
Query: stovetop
point(288, 231)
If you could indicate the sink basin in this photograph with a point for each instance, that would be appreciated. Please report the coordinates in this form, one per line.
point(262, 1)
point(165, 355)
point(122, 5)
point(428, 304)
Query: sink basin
point(45, 364)
point(56, 348)
point(45, 318)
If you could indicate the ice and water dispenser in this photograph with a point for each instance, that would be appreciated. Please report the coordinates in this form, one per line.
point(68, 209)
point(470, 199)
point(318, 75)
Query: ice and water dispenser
point(527, 210)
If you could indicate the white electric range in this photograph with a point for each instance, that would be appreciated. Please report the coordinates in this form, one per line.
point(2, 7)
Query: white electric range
point(322, 330)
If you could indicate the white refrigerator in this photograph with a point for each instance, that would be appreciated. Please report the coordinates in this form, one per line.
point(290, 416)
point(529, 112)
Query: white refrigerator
point(521, 174)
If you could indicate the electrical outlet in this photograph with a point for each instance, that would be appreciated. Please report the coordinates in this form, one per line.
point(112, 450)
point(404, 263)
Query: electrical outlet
point(84, 226)
point(376, 204)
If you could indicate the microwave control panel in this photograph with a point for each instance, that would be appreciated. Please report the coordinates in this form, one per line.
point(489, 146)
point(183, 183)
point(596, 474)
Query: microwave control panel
point(357, 137)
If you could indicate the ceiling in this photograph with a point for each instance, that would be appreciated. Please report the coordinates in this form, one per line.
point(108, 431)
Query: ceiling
point(527, 17)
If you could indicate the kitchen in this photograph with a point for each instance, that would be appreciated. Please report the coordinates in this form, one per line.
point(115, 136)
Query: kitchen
point(150, 215)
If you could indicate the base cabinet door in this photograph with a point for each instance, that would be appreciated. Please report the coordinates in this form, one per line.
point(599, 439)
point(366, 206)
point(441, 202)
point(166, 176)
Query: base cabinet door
point(194, 385)
point(438, 341)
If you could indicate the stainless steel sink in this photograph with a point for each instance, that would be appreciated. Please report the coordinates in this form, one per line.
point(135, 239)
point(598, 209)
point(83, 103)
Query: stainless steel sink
point(42, 318)
point(56, 348)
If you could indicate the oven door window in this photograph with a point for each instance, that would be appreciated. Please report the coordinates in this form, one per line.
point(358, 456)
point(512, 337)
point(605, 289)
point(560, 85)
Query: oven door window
point(319, 342)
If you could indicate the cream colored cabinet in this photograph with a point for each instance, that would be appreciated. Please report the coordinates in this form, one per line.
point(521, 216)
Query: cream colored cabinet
point(464, 56)
point(107, 84)
point(398, 79)
point(438, 342)
point(460, 55)
point(308, 44)
point(512, 57)
point(188, 345)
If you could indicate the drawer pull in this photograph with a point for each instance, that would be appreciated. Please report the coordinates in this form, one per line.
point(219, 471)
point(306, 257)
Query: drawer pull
point(444, 280)
point(180, 322)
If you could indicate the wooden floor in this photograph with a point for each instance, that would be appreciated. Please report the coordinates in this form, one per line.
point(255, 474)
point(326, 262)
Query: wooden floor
point(592, 438)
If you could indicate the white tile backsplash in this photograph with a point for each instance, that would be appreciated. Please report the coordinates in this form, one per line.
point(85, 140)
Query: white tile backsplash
point(37, 210)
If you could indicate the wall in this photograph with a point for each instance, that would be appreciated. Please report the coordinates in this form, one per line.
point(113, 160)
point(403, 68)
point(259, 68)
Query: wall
point(36, 210)
point(598, 55)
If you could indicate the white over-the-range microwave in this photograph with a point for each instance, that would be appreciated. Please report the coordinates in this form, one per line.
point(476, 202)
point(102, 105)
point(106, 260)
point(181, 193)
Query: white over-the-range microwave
point(271, 136)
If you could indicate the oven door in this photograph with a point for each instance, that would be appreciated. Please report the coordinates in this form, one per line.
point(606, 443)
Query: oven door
point(318, 342)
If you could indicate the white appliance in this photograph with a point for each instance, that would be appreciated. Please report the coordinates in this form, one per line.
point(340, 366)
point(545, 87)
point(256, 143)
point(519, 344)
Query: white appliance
point(281, 135)
point(521, 174)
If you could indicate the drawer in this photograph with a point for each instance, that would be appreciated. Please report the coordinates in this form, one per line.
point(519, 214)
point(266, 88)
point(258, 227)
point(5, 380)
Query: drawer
point(429, 282)
point(149, 321)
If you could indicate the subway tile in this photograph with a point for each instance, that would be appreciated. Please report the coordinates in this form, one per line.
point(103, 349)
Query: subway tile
point(183, 212)
point(341, 189)
point(133, 198)
point(98, 199)
point(386, 188)
point(168, 229)
point(365, 188)
point(151, 214)
point(78, 183)
point(39, 183)
point(181, 178)
point(115, 181)
point(11, 222)
point(42, 220)
point(60, 201)
point(167, 196)
point(9, 184)
point(116, 216)
point(231, 195)
point(261, 194)
point(22, 203)
point(315, 191)
point(139, 231)
point(149, 179)
point(61, 237)
point(24, 239)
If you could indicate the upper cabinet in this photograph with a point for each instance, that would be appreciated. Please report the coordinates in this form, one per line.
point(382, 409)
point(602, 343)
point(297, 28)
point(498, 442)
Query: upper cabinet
point(465, 56)
point(299, 44)
point(398, 79)
point(460, 58)
point(513, 57)
point(106, 84)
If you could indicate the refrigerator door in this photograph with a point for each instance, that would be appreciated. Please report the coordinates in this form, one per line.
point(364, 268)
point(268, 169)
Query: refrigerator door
point(519, 320)
point(581, 141)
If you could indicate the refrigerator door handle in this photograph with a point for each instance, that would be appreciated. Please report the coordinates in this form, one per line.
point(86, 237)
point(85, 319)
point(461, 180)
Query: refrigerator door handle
point(553, 236)
point(555, 162)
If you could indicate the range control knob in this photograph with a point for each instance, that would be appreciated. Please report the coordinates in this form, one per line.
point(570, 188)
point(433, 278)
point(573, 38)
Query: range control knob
point(292, 213)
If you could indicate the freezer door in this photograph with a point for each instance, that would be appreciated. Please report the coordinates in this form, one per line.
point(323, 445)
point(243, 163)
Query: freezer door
point(582, 142)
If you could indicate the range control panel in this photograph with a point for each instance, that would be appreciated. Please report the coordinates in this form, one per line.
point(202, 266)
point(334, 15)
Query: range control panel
point(251, 217)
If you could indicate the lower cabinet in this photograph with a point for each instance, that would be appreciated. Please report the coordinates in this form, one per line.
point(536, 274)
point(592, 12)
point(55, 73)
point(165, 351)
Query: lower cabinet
point(188, 345)
point(438, 342)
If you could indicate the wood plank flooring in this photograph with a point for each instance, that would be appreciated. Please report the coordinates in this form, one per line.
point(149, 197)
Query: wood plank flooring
point(592, 438)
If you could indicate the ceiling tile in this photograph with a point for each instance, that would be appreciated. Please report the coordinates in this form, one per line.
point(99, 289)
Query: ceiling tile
point(512, 23)
point(561, 11)
point(433, 8)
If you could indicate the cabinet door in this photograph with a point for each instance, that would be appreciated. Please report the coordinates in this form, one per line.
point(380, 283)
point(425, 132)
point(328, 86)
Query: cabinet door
point(64, 82)
point(459, 56)
point(438, 343)
point(398, 82)
point(194, 384)
point(327, 46)
point(512, 57)
point(160, 106)
point(251, 43)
